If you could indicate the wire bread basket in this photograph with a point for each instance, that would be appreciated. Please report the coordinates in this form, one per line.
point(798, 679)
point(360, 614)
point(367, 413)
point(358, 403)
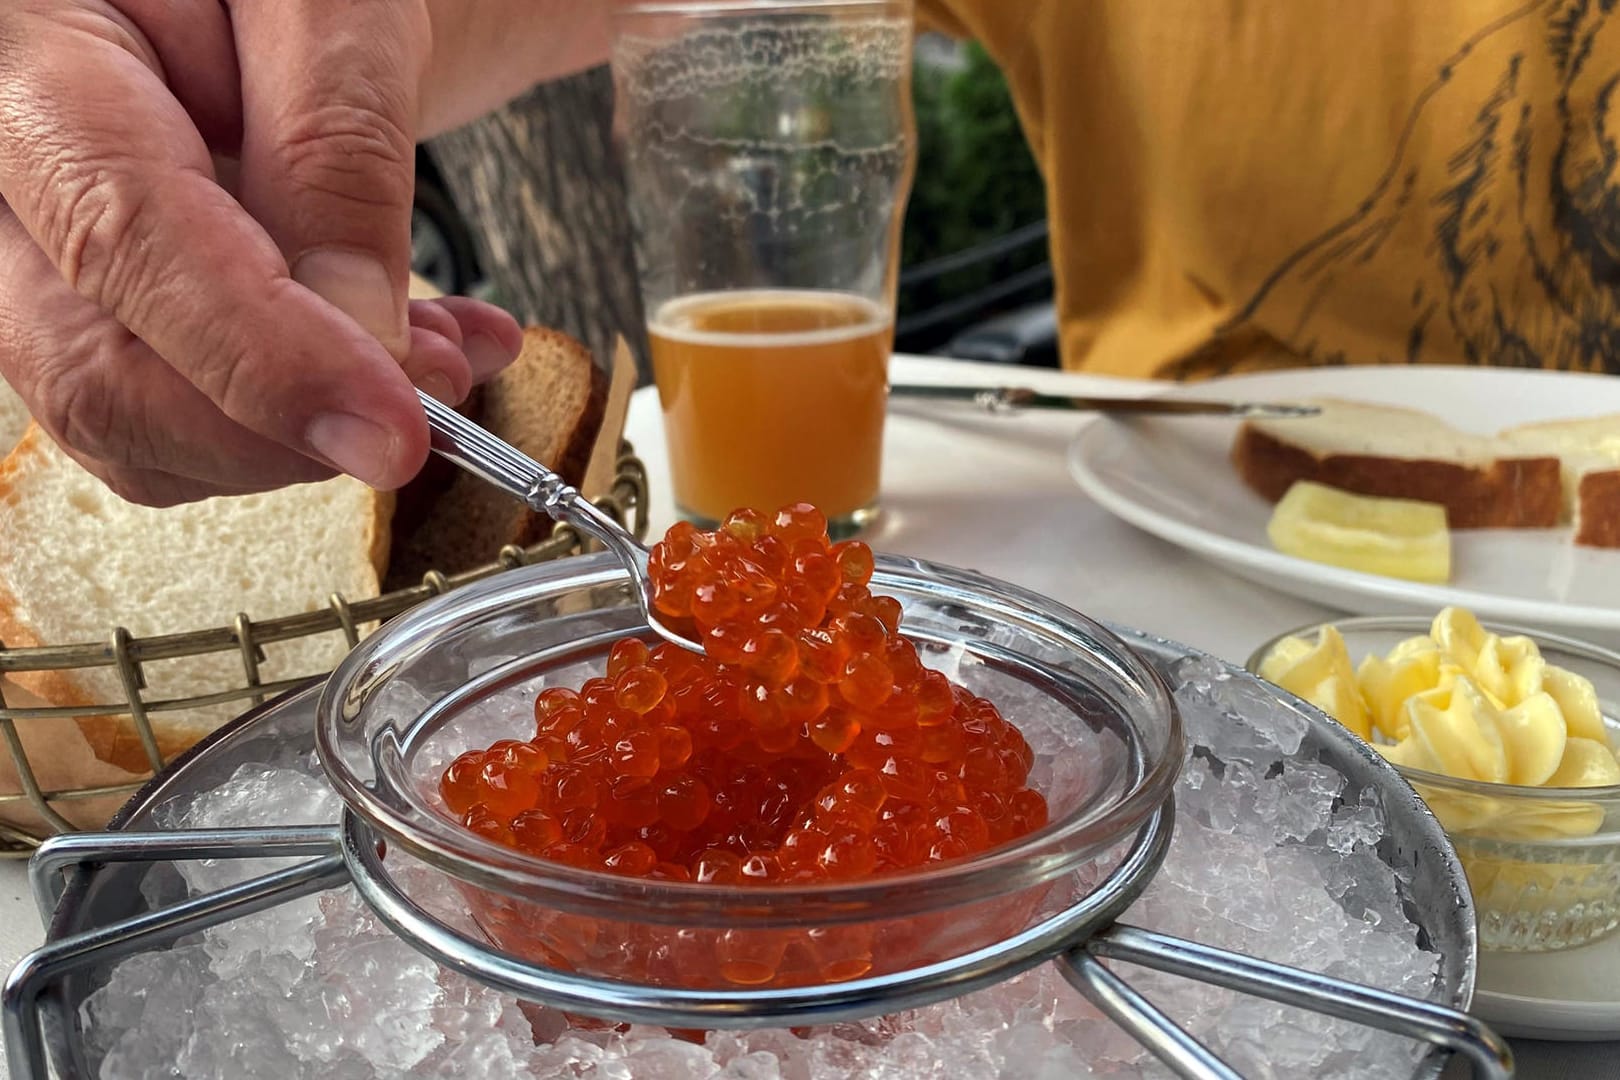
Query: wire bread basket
point(625, 501)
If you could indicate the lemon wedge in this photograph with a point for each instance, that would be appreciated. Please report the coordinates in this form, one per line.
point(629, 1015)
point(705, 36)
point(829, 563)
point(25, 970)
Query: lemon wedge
point(1401, 538)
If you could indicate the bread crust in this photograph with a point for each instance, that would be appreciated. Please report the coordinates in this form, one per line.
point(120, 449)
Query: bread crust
point(381, 526)
point(575, 455)
point(468, 522)
point(1597, 519)
point(112, 738)
point(1508, 493)
point(56, 687)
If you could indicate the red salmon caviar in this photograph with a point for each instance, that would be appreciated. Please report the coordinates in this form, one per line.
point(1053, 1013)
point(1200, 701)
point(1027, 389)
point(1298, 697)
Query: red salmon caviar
point(810, 744)
point(626, 654)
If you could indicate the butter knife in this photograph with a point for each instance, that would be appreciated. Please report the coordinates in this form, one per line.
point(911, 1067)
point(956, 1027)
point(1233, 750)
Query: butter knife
point(1003, 399)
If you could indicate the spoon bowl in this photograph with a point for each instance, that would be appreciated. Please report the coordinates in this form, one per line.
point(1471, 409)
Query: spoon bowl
point(491, 458)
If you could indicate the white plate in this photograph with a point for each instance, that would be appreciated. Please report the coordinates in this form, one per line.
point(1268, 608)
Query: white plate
point(1172, 477)
point(1571, 996)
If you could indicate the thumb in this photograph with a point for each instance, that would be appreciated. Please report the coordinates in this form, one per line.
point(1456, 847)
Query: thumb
point(328, 154)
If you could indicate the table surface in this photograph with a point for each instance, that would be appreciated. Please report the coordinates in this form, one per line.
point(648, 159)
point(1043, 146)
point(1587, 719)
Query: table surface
point(1029, 525)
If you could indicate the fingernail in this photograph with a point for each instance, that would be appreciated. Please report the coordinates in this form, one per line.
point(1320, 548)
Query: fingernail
point(437, 385)
point(354, 444)
point(486, 356)
point(360, 287)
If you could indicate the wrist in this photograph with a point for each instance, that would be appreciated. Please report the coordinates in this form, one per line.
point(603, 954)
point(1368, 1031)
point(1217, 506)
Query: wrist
point(486, 52)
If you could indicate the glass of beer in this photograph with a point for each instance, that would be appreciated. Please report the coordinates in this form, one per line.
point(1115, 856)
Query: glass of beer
point(768, 151)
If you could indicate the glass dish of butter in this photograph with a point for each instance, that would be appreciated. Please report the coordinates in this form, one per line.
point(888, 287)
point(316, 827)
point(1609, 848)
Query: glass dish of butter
point(1509, 735)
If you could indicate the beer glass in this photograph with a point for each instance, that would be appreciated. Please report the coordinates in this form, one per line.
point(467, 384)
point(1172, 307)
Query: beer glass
point(768, 150)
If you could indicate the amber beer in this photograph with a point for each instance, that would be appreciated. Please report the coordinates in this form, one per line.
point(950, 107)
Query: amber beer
point(773, 396)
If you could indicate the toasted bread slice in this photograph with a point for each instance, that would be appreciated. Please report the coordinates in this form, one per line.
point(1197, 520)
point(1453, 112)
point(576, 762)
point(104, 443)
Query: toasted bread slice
point(1597, 508)
point(549, 404)
point(77, 561)
point(1589, 450)
point(1402, 453)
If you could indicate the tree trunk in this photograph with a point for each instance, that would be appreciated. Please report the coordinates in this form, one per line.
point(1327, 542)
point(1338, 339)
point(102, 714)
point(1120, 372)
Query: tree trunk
point(540, 185)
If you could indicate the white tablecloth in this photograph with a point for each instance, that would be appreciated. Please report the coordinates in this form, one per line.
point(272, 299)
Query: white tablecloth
point(992, 493)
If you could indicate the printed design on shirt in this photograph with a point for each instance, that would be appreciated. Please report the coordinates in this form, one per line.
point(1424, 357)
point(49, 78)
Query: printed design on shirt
point(1506, 185)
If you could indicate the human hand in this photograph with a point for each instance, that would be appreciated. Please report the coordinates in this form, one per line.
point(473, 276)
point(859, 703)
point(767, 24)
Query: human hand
point(184, 332)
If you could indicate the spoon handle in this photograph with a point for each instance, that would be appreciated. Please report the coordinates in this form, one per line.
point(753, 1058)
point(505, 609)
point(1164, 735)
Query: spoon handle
point(487, 456)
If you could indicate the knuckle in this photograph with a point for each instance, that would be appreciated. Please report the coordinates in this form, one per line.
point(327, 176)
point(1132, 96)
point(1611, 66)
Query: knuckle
point(12, 39)
point(90, 224)
point(233, 371)
point(233, 387)
point(23, 25)
point(147, 488)
point(16, 348)
point(75, 406)
point(82, 402)
point(131, 486)
point(65, 167)
point(354, 152)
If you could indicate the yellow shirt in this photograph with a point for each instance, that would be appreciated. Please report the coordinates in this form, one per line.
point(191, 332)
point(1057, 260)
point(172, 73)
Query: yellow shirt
point(1234, 184)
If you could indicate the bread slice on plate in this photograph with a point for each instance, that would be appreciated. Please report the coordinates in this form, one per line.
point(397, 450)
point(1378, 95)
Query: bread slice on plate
point(1589, 451)
point(549, 403)
point(76, 561)
point(1403, 453)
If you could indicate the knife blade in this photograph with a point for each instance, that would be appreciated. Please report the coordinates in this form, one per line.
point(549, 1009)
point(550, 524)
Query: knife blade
point(1001, 399)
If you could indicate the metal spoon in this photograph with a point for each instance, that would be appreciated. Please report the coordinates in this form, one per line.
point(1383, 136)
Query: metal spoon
point(490, 458)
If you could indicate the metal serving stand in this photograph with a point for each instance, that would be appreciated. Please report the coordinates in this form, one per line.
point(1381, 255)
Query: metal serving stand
point(97, 921)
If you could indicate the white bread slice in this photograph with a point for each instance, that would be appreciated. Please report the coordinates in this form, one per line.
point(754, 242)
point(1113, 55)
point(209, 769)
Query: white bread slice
point(1402, 453)
point(61, 760)
point(1393, 431)
point(14, 418)
point(1582, 445)
point(76, 561)
point(1589, 450)
point(550, 404)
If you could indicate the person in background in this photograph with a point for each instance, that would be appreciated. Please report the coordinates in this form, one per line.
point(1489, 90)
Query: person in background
point(1234, 185)
point(203, 263)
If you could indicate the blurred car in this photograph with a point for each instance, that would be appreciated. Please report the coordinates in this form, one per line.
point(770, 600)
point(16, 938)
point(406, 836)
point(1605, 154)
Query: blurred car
point(976, 279)
point(1004, 313)
point(443, 250)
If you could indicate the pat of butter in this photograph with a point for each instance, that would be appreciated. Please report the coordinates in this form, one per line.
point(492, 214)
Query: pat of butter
point(1458, 731)
point(1466, 703)
point(1400, 538)
point(1507, 669)
point(1388, 682)
point(1322, 675)
point(1577, 700)
point(1587, 763)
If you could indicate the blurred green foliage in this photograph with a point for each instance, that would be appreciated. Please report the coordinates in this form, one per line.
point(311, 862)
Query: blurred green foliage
point(976, 178)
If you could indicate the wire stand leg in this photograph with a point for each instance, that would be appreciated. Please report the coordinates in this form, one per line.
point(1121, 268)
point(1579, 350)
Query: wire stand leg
point(19, 1002)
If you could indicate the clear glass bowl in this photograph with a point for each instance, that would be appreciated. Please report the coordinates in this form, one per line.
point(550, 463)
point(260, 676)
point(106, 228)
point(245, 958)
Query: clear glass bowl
point(1543, 863)
point(462, 670)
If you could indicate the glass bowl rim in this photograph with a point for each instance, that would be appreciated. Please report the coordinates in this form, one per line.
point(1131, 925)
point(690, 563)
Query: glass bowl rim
point(1586, 650)
point(450, 848)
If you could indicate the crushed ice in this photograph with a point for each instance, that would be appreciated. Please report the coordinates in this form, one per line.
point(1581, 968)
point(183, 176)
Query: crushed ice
point(1269, 858)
